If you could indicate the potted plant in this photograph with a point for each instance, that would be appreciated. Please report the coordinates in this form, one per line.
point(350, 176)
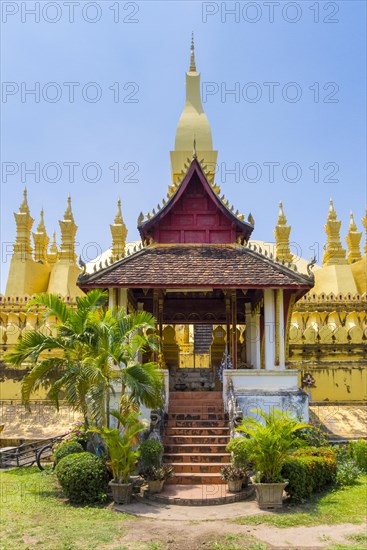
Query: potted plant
point(234, 476)
point(270, 442)
point(123, 458)
point(156, 476)
point(151, 468)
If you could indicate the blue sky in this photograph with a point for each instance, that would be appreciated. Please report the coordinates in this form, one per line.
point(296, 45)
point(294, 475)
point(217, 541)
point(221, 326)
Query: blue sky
point(324, 129)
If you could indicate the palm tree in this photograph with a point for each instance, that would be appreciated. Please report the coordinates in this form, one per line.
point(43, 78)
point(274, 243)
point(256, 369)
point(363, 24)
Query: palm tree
point(94, 353)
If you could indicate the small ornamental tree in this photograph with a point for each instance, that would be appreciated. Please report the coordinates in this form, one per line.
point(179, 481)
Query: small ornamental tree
point(271, 442)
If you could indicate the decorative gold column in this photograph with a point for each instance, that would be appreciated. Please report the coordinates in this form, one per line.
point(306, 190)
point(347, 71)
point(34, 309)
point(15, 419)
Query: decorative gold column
point(41, 241)
point(119, 234)
point(353, 240)
point(334, 253)
point(281, 233)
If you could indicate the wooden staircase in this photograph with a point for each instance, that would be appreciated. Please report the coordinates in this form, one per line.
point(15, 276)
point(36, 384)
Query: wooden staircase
point(196, 435)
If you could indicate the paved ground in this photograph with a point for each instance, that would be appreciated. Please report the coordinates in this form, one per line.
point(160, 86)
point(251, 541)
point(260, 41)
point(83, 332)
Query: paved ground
point(190, 513)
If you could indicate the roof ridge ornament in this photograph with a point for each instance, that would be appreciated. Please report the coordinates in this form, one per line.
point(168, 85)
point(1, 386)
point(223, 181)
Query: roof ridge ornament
point(192, 55)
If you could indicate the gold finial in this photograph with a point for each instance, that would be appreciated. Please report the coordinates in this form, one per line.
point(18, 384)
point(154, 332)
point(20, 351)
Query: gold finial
point(353, 240)
point(194, 154)
point(68, 231)
point(192, 56)
point(68, 212)
point(282, 220)
point(41, 240)
point(53, 255)
point(334, 252)
point(281, 234)
point(41, 226)
point(24, 223)
point(140, 218)
point(24, 208)
point(364, 221)
point(118, 217)
point(119, 234)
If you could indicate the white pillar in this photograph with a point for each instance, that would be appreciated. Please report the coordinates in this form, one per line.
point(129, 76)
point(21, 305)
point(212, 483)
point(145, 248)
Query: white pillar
point(122, 298)
point(281, 331)
point(248, 334)
point(269, 329)
point(256, 341)
point(111, 297)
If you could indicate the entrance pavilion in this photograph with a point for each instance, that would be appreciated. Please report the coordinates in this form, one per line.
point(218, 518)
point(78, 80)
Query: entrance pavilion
point(194, 272)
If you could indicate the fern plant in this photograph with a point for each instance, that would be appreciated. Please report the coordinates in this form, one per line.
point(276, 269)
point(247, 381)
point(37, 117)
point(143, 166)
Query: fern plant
point(270, 442)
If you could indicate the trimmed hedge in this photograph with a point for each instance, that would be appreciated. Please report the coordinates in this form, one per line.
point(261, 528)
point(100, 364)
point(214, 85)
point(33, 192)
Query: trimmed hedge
point(83, 478)
point(67, 448)
point(151, 453)
point(309, 471)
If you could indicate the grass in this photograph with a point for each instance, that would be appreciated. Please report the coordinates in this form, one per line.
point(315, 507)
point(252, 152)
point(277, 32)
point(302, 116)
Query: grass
point(359, 542)
point(237, 542)
point(347, 505)
point(33, 514)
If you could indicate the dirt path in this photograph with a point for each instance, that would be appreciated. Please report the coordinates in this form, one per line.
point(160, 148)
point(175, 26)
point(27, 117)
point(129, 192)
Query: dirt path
point(191, 535)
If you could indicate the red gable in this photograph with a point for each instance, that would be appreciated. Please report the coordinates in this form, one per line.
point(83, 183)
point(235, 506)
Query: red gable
point(195, 215)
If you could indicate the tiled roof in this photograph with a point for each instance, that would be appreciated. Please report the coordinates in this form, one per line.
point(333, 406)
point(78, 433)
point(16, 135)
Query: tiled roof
point(189, 266)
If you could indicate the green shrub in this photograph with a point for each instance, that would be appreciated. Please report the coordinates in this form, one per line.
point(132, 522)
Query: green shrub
point(83, 478)
point(358, 451)
point(309, 473)
point(238, 447)
point(151, 453)
point(67, 448)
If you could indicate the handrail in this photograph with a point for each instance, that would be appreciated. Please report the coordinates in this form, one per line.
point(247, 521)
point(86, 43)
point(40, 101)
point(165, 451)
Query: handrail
point(235, 414)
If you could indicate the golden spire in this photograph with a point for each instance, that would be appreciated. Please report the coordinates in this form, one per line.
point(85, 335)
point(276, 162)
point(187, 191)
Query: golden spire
point(334, 252)
point(353, 240)
point(53, 255)
point(364, 221)
point(68, 232)
point(119, 234)
point(281, 233)
point(41, 240)
point(24, 208)
point(193, 123)
point(192, 55)
point(24, 223)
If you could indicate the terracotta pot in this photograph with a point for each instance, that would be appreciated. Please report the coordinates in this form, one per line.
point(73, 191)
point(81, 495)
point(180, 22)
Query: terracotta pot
point(235, 486)
point(155, 486)
point(121, 492)
point(270, 495)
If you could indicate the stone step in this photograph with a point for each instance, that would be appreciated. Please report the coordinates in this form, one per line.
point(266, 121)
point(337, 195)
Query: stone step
point(202, 458)
point(195, 407)
point(195, 448)
point(171, 423)
point(201, 468)
point(197, 431)
point(209, 395)
point(196, 439)
point(196, 416)
point(193, 478)
point(212, 468)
